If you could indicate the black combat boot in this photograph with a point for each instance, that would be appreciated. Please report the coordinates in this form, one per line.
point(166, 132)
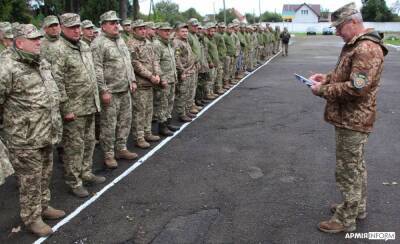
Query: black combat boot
point(164, 130)
point(172, 127)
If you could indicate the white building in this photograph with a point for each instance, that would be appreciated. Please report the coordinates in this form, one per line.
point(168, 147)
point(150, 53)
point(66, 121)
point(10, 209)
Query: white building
point(301, 13)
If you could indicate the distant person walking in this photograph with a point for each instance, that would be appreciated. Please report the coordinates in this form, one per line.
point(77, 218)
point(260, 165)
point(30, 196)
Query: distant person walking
point(285, 37)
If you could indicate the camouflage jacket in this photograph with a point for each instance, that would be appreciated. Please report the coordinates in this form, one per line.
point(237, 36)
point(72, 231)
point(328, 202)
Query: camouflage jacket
point(219, 40)
point(49, 48)
point(87, 41)
point(30, 100)
point(204, 68)
point(212, 56)
point(184, 57)
point(74, 73)
point(352, 86)
point(236, 42)
point(195, 45)
point(6, 168)
point(230, 45)
point(112, 62)
point(126, 36)
point(2, 47)
point(243, 41)
point(165, 56)
point(144, 60)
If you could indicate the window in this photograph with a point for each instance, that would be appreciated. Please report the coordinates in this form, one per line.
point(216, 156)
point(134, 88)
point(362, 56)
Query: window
point(304, 11)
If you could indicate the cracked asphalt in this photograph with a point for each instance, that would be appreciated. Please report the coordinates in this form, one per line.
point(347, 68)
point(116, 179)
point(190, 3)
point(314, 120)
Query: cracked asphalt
point(258, 167)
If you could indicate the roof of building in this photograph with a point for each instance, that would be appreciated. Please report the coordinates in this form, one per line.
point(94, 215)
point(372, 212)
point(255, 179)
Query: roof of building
point(316, 8)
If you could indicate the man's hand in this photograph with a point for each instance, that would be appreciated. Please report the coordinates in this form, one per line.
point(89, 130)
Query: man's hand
point(69, 117)
point(106, 98)
point(315, 88)
point(155, 79)
point(319, 78)
point(164, 84)
point(133, 87)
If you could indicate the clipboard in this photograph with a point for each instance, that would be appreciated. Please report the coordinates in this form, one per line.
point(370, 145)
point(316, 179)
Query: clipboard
point(306, 81)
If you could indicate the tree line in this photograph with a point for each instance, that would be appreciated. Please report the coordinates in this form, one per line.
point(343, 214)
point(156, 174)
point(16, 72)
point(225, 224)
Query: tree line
point(33, 11)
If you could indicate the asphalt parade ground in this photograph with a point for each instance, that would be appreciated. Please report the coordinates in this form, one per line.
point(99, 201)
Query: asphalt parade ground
point(256, 167)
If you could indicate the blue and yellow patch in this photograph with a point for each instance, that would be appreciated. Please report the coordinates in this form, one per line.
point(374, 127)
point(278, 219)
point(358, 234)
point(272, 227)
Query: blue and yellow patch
point(360, 80)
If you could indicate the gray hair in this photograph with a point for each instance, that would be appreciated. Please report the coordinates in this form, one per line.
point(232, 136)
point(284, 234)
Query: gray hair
point(357, 17)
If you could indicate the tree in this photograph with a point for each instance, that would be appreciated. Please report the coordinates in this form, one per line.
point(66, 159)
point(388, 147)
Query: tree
point(15, 11)
point(192, 13)
point(123, 9)
point(167, 11)
point(251, 18)
point(376, 11)
point(135, 9)
point(229, 16)
point(271, 17)
point(92, 9)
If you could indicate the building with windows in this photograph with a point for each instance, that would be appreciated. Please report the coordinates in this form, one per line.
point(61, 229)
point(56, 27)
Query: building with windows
point(301, 13)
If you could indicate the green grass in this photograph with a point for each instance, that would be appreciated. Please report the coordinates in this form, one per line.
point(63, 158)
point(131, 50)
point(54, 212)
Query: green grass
point(393, 42)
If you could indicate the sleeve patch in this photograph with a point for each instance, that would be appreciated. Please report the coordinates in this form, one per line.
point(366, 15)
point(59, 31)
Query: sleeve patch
point(360, 80)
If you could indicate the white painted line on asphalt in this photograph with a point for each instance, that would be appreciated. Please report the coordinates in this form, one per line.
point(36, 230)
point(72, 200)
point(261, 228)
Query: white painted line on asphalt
point(394, 46)
point(142, 159)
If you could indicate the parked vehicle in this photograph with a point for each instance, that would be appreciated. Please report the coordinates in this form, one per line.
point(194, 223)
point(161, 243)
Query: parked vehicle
point(327, 31)
point(311, 31)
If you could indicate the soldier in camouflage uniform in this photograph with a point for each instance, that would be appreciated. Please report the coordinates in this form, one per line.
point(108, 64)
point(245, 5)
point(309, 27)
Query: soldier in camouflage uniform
point(230, 52)
point(165, 95)
point(87, 31)
point(195, 44)
point(126, 25)
point(74, 73)
point(350, 91)
point(277, 33)
point(6, 36)
point(212, 58)
point(204, 69)
point(219, 40)
point(29, 99)
point(187, 73)
point(147, 70)
point(116, 80)
point(232, 32)
point(6, 168)
point(50, 42)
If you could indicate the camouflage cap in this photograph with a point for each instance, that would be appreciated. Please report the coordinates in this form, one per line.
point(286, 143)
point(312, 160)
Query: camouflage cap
point(209, 25)
point(70, 19)
point(243, 25)
point(27, 31)
point(86, 24)
point(4, 26)
point(8, 33)
point(150, 24)
point(14, 24)
point(50, 20)
point(181, 25)
point(109, 16)
point(342, 14)
point(221, 25)
point(235, 21)
point(231, 25)
point(193, 22)
point(165, 26)
point(157, 25)
point(96, 30)
point(138, 23)
point(126, 22)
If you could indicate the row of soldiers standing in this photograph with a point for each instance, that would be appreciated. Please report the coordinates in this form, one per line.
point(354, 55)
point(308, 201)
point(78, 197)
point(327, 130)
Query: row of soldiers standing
point(52, 87)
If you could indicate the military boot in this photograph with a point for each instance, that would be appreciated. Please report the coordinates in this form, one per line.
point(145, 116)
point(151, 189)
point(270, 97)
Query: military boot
point(332, 226)
point(94, 179)
point(80, 191)
point(110, 161)
point(164, 130)
point(125, 154)
point(142, 143)
point(199, 108)
point(172, 127)
point(190, 115)
point(185, 118)
point(40, 228)
point(210, 96)
point(151, 138)
point(193, 110)
point(52, 213)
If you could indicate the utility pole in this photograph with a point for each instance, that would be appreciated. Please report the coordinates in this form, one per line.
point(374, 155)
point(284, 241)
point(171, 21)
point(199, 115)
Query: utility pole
point(259, 9)
point(224, 12)
point(214, 11)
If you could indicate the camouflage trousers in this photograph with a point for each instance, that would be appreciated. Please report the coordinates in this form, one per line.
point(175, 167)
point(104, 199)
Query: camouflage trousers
point(351, 175)
point(209, 88)
point(164, 102)
point(6, 168)
point(201, 91)
point(193, 87)
point(115, 122)
point(142, 111)
point(252, 58)
point(227, 68)
point(78, 142)
point(219, 77)
point(33, 169)
point(232, 67)
point(183, 97)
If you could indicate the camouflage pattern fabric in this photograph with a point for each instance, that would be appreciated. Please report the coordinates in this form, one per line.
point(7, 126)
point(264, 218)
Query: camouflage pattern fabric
point(49, 48)
point(79, 142)
point(112, 62)
point(164, 102)
point(115, 122)
point(30, 98)
point(33, 169)
point(351, 175)
point(355, 80)
point(6, 168)
point(142, 107)
point(183, 94)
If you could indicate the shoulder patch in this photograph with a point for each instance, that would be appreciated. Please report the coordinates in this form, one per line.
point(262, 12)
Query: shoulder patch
point(360, 80)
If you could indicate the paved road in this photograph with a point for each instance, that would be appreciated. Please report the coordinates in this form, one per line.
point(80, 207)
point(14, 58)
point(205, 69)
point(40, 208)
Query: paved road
point(258, 167)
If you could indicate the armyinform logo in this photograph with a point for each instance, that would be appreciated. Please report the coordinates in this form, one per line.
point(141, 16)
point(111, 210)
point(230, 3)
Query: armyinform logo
point(372, 236)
